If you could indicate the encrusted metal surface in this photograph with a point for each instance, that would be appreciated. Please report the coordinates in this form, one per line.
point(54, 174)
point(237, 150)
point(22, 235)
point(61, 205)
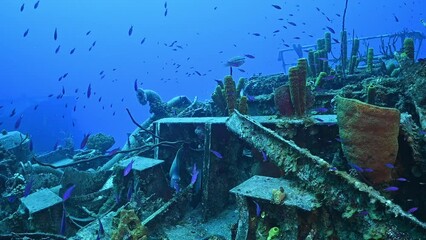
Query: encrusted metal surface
point(261, 187)
point(340, 190)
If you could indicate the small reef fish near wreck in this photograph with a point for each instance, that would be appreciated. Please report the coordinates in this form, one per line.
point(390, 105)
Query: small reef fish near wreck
point(216, 153)
point(128, 168)
point(68, 192)
point(235, 61)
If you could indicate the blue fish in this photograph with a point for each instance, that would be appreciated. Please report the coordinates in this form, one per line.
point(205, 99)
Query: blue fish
point(258, 210)
point(356, 167)
point(68, 192)
point(101, 227)
point(401, 179)
point(390, 165)
point(321, 110)
point(265, 157)
point(128, 168)
point(216, 153)
point(28, 187)
point(411, 210)
point(63, 222)
point(194, 174)
point(391, 189)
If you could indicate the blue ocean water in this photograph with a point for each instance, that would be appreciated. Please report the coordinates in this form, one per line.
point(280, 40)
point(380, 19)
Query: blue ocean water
point(175, 48)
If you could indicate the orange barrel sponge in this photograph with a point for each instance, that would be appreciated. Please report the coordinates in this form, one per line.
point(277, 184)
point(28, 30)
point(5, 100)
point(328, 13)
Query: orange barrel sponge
point(369, 136)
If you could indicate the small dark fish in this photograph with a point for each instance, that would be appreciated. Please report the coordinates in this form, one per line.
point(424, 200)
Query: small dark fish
point(256, 34)
point(18, 122)
point(63, 222)
point(84, 141)
point(216, 153)
point(258, 210)
point(93, 43)
point(128, 168)
point(331, 30)
point(276, 31)
point(28, 187)
point(135, 85)
point(276, 6)
point(220, 83)
point(194, 174)
point(130, 30)
point(55, 34)
point(57, 49)
point(12, 113)
point(31, 147)
point(63, 90)
point(36, 4)
point(89, 90)
point(335, 40)
point(339, 140)
point(286, 45)
point(368, 170)
point(198, 73)
point(249, 56)
point(72, 51)
point(297, 38)
point(26, 32)
point(411, 210)
point(332, 169)
point(396, 19)
point(101, 227)
point(165, 13)
point(68, 192)
point(88, 32)
point(391, 189)
point(100, 99)
point(143, 40)
point(390, 165)
point(292, 23)
point(22, 7)
point(323, 59)
point(55, 146)
point(319, 119)
point(65, 75)
point(165, 4)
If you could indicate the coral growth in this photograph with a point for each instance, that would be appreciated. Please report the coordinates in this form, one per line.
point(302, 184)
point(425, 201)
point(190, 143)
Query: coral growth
point(100, 142)
point(127, 224)
point(278, 196)
point(230, 94)
point(283, 101)
point(297, 80)
point(369, 136)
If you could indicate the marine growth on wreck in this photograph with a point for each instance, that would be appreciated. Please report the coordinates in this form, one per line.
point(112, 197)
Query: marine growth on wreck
point(328, 142)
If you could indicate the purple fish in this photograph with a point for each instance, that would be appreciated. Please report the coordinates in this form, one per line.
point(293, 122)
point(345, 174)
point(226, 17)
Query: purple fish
point(113, 151)
point(422, 132)
point(250, 98)
point(68, 192)
point(323, 59)
point(332, 169)
point(321, 109)
point(257, 208)
point(84, 141)
point(391, 189)
point(369, 170)
point(18, 122)
point(216, 153)
point(63, 222)
point(128, 168)
point(327, 78)
point(265, 157)
point(11, 198)
point(194, 174)
point(356, 167)
point(89, 90)
point(390, 165)
point(411, 210)
point(339, 140)
point(362, 213)
point(28, 187)
point(401, 179)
